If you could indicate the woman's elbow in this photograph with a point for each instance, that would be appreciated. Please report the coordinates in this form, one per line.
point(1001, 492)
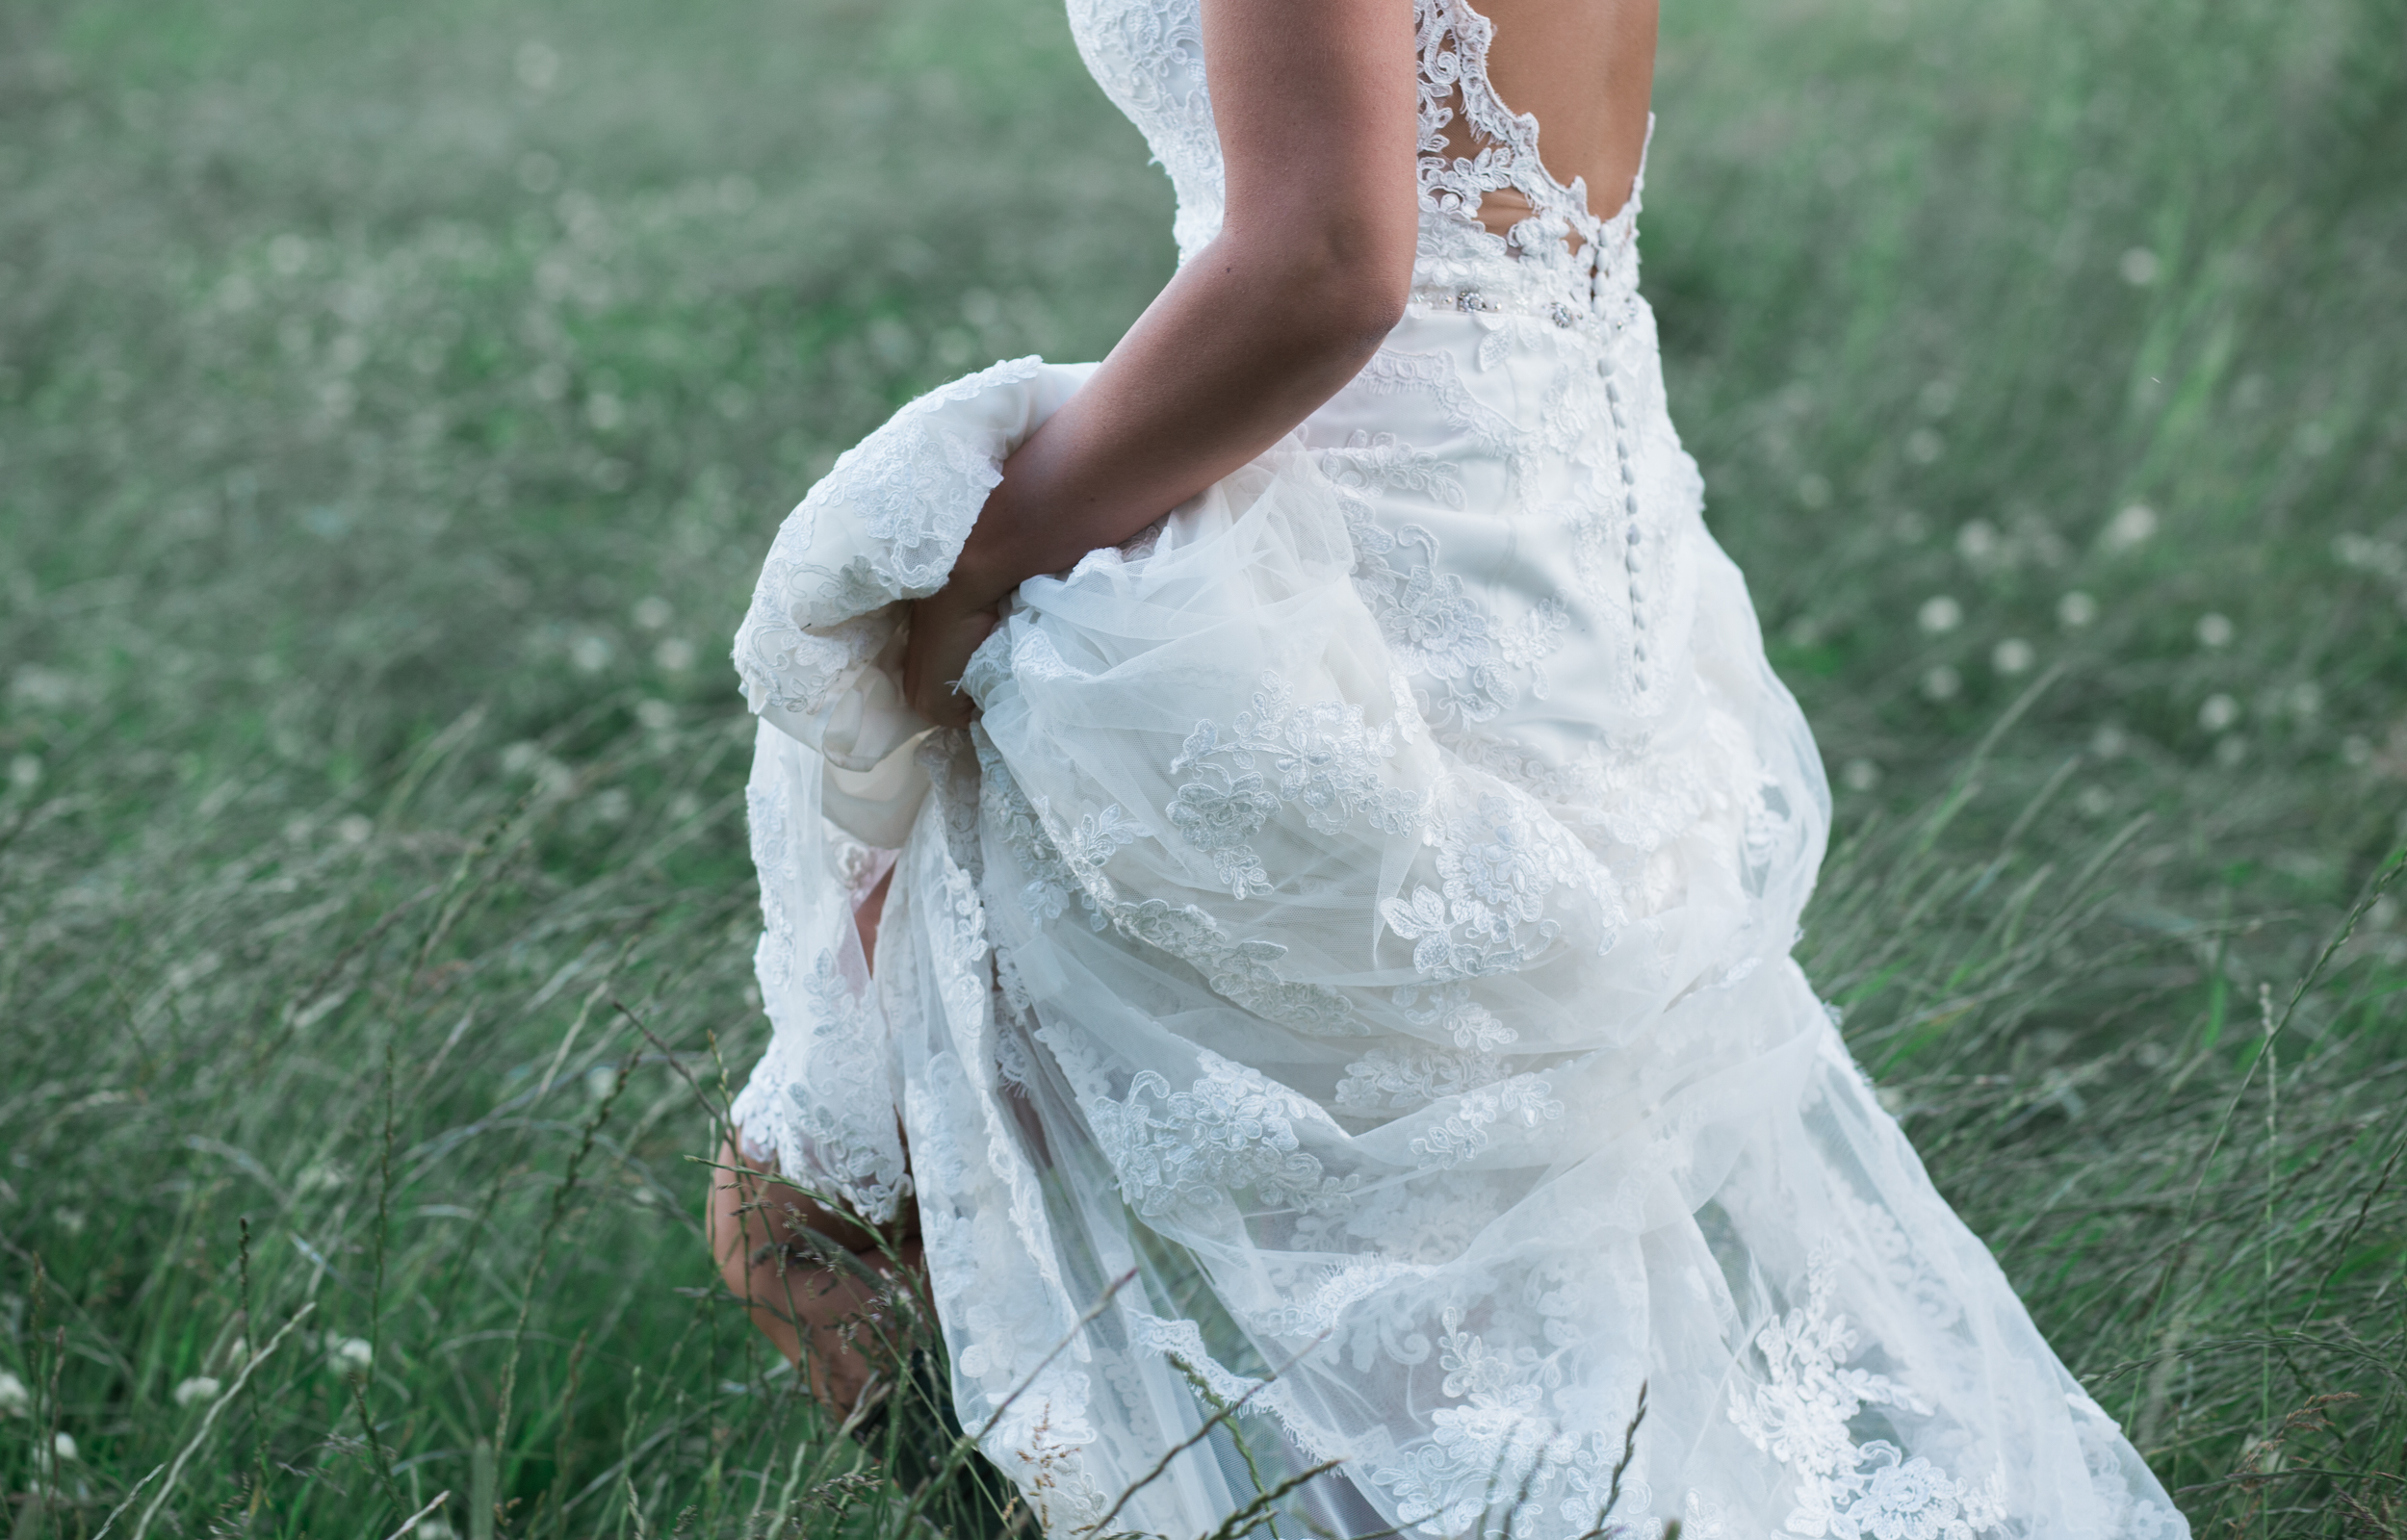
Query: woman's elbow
point(1377, 305)
point(1356, 298)
point(1326, 281)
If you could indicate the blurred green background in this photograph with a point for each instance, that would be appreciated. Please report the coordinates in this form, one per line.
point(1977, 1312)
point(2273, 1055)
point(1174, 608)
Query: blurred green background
point(395, 405)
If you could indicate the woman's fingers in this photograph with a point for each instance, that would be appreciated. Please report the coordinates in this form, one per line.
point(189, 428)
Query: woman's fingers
point(941, 640)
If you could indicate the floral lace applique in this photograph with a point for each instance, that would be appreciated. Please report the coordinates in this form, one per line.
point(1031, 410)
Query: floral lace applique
point(772, 856)
point(1393, 373)
point(1892, 1251)
point(2106, 1453)
point(1453, 84)
point(1489, 916)
point(1522, 1101)
point(1064, 862)
point(1315, 1312)
point(1491, 1464)
point(898, 505)
point(1387, 1081)
point(1799, 1415)
point(1450, 1008)
point(1382, 462)
point(956, 791)
point(1147, 57)
point(845, 1113)
point(978, 1264)
point(1428, 1220)
point(1324, 756)
point(1241, 972)
point(1440, 633)
point(1185, 1154)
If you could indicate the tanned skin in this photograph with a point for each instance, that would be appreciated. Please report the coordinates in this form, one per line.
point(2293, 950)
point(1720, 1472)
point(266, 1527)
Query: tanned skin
point(1315, 106)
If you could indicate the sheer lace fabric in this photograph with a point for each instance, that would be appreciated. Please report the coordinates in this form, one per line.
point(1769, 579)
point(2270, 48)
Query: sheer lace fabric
point(1360, 916)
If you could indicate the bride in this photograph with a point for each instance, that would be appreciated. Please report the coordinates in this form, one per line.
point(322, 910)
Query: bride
point(1280, 852)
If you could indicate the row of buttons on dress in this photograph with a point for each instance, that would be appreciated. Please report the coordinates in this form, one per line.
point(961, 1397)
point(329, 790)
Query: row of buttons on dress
point(1633, 563)
point(1471, 301)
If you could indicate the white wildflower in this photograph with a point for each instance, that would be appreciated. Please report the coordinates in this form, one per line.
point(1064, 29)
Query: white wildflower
point(1942, 683)
point(1860, 775)
point(2075, 610)
point(351, 1355)
point(1940, 615)
point(2013, 655)
point(2130, 526)
point(2214, 630)
point(536, 64)
point(2218, 712)
point(14, 1399)
point(288, 254)
point(652, 612)
point(64, 1445)
point(675, 654)
point(198, 1388)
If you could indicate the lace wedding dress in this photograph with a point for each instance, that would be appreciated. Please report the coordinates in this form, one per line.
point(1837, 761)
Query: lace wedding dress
point(1360, 913)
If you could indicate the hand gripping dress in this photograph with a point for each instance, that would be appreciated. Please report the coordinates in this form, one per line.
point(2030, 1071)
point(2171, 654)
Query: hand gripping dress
point(1361, 912)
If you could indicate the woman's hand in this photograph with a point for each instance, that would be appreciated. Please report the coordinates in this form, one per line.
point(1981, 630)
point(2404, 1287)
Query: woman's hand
point(944, 632)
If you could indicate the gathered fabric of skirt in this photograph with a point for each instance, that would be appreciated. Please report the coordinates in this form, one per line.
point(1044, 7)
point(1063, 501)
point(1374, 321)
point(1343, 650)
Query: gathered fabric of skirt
point(1344, 972)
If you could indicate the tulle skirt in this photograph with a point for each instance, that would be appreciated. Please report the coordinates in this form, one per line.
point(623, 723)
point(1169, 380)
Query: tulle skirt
point(1342, 976)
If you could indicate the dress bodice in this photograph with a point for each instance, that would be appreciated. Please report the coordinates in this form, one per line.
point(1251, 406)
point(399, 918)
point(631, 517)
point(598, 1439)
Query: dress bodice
point(1148, 56)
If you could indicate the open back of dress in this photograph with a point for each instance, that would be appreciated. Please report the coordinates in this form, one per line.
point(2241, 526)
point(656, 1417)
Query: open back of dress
point(1360, 917)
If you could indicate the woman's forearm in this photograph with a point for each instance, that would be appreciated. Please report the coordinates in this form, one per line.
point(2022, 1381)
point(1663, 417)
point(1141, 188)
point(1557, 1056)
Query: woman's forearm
point(1240, 347)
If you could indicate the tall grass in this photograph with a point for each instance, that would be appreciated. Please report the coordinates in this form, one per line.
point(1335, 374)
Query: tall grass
point(393, 405)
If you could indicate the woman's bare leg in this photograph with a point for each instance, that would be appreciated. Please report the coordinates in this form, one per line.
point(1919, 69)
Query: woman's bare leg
point(784, 1256)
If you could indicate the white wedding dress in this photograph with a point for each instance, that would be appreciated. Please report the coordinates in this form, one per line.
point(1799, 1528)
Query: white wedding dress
point(1361, 912)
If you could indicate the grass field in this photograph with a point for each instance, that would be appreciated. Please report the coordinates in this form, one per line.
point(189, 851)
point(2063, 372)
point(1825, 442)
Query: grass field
point(395, 403)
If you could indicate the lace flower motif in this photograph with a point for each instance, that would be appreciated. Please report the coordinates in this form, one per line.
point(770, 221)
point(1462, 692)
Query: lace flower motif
point(1799, 1415)
point(1185, 1154)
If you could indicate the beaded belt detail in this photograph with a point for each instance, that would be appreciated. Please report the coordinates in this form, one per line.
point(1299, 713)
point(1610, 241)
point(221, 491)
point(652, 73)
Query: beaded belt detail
point(1607, 315)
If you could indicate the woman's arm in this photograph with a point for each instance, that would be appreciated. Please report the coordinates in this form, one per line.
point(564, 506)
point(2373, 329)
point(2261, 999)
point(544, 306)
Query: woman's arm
point(1316, 112)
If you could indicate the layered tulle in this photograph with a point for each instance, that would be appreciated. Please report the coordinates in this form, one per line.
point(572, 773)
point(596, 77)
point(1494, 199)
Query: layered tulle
point(1360, 912)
